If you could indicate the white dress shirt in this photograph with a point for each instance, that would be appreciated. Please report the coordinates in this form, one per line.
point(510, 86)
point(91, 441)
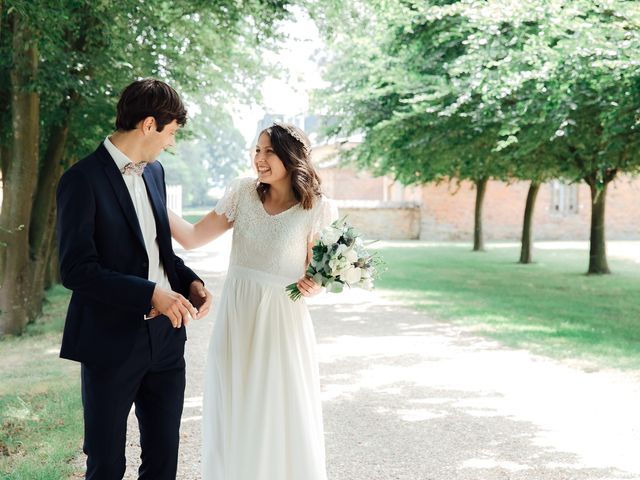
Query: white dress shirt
point(142, 204)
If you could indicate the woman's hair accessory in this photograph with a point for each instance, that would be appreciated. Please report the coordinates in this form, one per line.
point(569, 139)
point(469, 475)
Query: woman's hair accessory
point(293, 131)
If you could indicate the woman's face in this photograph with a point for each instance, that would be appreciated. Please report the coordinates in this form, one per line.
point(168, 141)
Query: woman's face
point(268, 165)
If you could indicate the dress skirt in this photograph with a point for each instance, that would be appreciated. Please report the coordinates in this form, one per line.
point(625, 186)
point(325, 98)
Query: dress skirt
point(262, 416)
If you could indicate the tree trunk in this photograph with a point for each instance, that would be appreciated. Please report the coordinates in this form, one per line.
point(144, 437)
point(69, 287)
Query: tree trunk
point(42, 229)
point(4, 104)
point(4, 165)
point(527, 245)
point(52, 275)
point(478, 238)
point(20, 181)
point(598, 248)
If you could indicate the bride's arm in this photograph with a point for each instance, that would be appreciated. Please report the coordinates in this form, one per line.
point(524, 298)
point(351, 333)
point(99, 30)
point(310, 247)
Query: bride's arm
point(310, 244)
point(307, 286)
point(208, 228)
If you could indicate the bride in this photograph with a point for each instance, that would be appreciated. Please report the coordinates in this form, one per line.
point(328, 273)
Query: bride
point(262, 417)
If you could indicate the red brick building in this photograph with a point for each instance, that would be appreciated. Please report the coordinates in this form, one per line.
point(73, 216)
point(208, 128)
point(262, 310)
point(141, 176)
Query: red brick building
point(562, 211)
point(382, 208)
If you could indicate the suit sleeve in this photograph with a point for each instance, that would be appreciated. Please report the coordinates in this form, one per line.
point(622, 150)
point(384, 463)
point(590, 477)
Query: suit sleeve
point(80, 268)
point(185, 274)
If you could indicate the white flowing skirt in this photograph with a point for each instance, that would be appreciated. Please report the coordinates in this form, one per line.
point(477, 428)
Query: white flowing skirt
point(262, 416)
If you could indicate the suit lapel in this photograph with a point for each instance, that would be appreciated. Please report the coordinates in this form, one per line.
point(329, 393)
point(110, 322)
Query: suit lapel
point(122, 194)
point(163, 230)
point(157, 205)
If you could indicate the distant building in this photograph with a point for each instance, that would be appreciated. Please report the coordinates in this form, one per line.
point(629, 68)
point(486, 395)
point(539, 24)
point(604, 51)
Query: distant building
point(562, 212)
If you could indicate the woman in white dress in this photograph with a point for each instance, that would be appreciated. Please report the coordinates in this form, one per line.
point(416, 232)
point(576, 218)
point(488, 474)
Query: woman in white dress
point(262, 417)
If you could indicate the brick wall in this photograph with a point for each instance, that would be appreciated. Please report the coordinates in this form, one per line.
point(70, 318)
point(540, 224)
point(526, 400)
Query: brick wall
point(448, 216)
point(447, 210)
point(385, 221)
point(348, 184)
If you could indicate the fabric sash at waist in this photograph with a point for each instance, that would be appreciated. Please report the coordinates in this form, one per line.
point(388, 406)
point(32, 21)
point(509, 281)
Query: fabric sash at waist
point(236, 271)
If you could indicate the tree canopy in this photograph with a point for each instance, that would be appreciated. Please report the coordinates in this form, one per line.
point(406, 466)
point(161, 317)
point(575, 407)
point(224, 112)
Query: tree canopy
point(63, 64)
point(498, 89)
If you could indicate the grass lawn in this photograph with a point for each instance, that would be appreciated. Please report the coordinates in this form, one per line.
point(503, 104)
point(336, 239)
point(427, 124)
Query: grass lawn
point(40, 406)
point(550, 307)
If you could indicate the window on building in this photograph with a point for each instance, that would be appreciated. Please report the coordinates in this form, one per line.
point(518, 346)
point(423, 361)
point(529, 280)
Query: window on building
point(564, 198)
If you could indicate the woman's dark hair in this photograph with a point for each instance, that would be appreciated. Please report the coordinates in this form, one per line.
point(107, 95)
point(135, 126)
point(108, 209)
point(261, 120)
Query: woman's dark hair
point(149, 98)
point(293, 147)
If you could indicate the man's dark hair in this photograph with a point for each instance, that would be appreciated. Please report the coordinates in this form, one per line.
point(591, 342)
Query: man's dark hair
point(149, 98)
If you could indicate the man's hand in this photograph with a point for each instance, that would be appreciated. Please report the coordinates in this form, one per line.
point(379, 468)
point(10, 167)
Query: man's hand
point(177, 308)
point(200, 297)
point(308, 287)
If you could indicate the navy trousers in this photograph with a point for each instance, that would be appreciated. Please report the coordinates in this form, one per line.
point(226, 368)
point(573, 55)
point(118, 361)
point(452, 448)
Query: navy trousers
point(152, 379)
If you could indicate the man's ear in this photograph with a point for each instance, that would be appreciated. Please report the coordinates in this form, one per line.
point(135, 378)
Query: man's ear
point(147, 125)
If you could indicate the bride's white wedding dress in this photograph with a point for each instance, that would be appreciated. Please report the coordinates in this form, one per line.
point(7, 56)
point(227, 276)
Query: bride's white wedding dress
point(262, 417)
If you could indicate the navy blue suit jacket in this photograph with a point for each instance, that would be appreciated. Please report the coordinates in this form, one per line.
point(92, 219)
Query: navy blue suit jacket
point(103, 259)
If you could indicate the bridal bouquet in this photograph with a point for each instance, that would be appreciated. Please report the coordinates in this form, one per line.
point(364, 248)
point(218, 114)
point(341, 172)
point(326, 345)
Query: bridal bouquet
point(340, 258)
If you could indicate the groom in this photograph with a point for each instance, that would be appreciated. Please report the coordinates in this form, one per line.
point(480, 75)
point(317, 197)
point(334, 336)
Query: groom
point(132, 296)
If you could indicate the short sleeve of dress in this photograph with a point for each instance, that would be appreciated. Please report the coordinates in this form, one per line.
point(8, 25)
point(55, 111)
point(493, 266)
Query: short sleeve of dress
point(228, 204)
point(326, 213)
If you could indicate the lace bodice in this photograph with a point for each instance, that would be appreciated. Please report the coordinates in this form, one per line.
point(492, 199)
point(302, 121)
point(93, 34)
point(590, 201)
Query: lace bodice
point(276, 244)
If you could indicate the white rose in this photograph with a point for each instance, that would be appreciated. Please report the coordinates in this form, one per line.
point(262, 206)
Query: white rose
point(343, 267)
point(333, 265)
point(330, 235)
point(341, 249)
point(337, 265)
point(351, 255)
point(351, 275)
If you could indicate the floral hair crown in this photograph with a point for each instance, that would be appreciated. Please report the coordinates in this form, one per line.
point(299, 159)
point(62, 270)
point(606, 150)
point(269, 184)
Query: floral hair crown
point(292, 131)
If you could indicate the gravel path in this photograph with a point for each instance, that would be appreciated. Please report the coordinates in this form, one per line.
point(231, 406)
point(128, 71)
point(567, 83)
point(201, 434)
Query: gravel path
point(407, 397)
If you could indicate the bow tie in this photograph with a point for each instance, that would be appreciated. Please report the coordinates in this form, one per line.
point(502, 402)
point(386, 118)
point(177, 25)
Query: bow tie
point(133, 168)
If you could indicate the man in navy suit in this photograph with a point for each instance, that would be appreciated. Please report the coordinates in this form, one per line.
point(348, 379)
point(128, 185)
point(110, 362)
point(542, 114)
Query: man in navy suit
point(132, 296)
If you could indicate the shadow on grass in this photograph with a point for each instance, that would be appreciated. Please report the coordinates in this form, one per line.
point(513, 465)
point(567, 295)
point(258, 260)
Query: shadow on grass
point(415, 397)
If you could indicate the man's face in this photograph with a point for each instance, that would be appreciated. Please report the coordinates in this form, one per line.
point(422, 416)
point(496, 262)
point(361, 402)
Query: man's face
point(156, 142)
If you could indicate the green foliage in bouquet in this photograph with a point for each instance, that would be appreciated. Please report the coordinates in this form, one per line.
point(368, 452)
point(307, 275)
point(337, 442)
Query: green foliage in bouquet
point(340, 258)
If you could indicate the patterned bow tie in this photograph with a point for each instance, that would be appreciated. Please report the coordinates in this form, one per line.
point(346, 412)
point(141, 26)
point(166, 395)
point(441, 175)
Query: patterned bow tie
point(133, 168)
